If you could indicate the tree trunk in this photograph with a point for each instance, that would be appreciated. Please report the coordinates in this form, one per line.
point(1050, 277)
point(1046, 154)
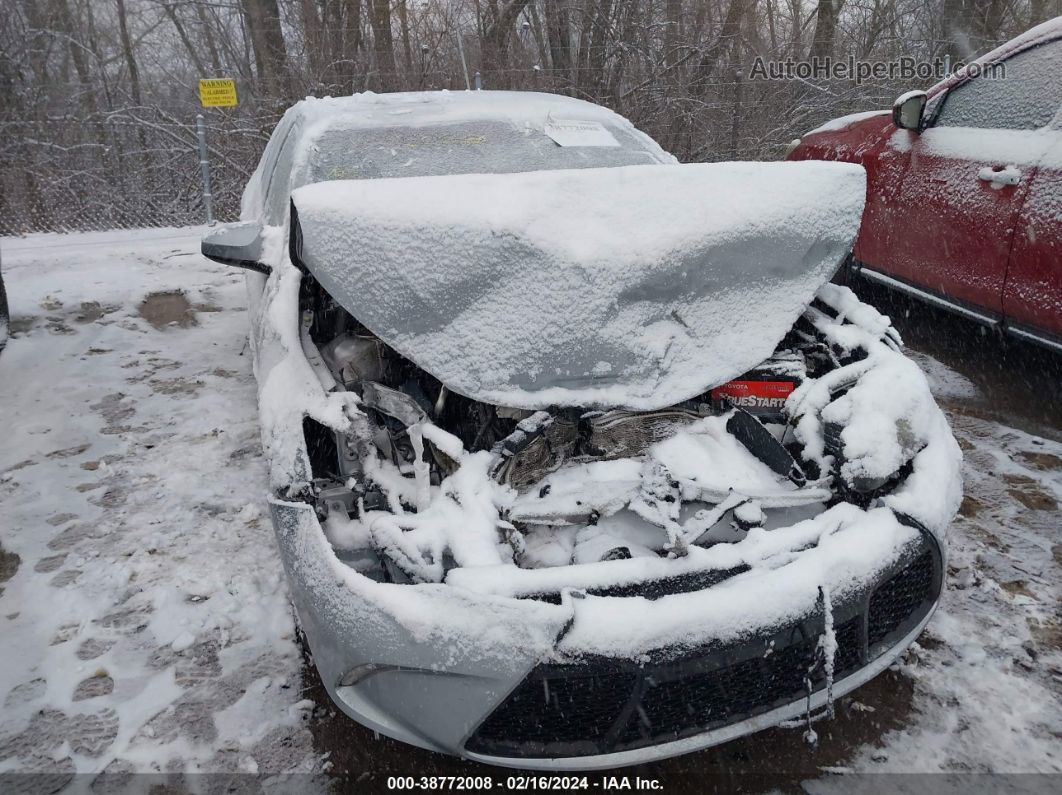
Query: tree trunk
point(598, 45)
point(64, 23)
point(724, 43)
point(495, 41)
point(403, 26)
point(825, 26)
point(208, 34)
point(540, 40)
point(382, 42)
point(972, 27)
point(798, 28)
point(558, 34)
point(267, 42)
point(313, 37)
point(673, 21)
point(351, 41)
point(38, 24)
point(182, 34)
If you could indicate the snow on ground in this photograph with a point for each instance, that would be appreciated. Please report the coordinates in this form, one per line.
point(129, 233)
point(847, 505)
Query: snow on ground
point(145, 617)
point(988, 670)
point(144, 614)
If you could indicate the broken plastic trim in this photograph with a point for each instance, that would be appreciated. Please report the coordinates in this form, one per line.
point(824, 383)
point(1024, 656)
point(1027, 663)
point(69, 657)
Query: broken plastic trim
point(295, 239)
point(759, 441)
point(651, 590)
point(393, 403)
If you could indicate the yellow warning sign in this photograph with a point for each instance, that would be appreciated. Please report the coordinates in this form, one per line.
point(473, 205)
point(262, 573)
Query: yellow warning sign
point(220, 93)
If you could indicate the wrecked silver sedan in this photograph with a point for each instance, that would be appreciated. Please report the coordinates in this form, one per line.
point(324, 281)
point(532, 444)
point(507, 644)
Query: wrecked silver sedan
point(578, 459)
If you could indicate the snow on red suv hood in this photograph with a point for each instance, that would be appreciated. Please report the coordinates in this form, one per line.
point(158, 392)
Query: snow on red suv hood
point(637, 286)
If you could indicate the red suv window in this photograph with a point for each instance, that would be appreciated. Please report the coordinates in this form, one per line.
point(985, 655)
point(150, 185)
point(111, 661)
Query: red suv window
point(1026, 97)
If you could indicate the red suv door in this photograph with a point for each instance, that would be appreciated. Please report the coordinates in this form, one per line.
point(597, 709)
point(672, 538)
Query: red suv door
point(967, 176)
point(1032, 296)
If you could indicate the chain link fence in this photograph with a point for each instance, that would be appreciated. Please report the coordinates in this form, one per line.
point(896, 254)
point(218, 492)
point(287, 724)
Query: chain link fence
point(133, 169)
point(139, 167)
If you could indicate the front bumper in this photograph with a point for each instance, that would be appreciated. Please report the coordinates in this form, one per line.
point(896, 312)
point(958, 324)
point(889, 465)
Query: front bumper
point(487, 696)
point(720, 735)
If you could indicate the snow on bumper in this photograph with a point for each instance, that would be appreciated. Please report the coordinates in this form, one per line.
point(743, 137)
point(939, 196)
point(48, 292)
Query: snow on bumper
point(447, 667)
point(423, 663)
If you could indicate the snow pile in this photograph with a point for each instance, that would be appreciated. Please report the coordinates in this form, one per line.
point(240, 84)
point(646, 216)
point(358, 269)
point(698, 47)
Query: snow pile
point(840, 549)
point(460, 518)
point(683, 488)
point(887, 415)
point(465, 520)
point(710, 462)
point(288, 388)
point(1013, 148)
point(638, 286)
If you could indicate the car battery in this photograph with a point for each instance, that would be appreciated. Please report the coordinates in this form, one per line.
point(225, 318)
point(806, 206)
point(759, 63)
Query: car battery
point(762, 393)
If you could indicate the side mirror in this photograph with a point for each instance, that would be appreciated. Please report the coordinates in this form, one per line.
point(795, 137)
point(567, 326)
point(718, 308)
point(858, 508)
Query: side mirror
point(908, 109)
point(236, 244)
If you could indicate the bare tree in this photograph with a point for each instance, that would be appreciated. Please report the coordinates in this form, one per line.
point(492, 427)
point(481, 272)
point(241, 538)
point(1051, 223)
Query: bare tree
point(99, 96)
point(383, 43)
point(267, 43)
point(826, 14)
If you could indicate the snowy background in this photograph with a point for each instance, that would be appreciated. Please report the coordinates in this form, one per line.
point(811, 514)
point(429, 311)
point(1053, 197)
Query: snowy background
point(144, 614)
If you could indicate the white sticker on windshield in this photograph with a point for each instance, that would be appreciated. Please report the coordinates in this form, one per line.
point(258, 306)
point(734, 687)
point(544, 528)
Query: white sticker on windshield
point(572, 132)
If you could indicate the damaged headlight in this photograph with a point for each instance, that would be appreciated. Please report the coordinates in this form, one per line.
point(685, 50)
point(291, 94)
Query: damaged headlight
point(539, 445)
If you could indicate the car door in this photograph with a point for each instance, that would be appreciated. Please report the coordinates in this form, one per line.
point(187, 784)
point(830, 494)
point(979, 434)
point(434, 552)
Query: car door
point(968, 173)
point(1032, 296)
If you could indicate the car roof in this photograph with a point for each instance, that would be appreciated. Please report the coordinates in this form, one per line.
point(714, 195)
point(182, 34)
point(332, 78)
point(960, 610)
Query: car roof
point(412, 108)
point(1040, 34)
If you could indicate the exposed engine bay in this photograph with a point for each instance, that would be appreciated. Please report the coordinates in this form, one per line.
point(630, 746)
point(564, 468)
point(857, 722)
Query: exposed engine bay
point(570, 485)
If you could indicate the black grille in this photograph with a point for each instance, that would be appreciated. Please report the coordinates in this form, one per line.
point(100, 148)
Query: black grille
point(894, 605)
point(572, 705)
point(596, 706)
point(702, 700)
point(602, 706)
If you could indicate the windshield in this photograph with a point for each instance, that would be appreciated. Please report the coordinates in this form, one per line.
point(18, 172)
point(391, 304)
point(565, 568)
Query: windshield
point(463, 148)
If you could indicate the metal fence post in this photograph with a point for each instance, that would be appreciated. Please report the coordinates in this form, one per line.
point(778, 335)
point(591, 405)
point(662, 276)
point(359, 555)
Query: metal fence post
point(464, 63)
point(204, 165)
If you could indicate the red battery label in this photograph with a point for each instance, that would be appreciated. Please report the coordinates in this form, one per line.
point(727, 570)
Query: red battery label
point(752, 395)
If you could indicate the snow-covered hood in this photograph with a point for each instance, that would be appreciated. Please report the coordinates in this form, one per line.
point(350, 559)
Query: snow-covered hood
point(638, 286)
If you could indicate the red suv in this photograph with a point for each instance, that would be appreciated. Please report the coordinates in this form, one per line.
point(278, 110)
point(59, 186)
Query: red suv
point(964, 188)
